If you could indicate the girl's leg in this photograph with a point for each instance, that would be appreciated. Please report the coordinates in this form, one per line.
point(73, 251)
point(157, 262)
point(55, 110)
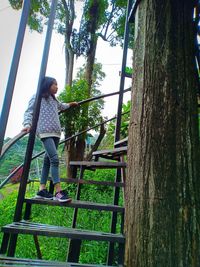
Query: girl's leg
point(45, 172)
point(50, 145)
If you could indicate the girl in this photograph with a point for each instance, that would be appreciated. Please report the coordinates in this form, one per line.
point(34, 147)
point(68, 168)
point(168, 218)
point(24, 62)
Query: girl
point(49, 131)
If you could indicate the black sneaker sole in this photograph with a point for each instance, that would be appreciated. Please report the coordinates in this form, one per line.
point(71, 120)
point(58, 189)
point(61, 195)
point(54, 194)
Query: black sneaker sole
point(62, 200)
point(47, 198)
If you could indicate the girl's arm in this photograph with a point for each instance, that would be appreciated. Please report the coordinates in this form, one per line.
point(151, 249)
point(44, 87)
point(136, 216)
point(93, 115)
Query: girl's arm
point(28, 115)
point(63, 106)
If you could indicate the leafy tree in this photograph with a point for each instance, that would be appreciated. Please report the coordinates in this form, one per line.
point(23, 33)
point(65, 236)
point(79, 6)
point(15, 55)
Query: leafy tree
point(87, 115)
point(100, 18)
point(108, 14)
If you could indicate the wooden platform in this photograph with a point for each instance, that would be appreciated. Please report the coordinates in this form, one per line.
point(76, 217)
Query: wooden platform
point(98, 164)
point(113, 154)
point(25, 227)
point(122, 142)
point(76, 204)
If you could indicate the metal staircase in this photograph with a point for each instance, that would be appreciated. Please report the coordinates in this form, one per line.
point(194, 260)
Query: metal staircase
point(75, 235)
point(105, 159)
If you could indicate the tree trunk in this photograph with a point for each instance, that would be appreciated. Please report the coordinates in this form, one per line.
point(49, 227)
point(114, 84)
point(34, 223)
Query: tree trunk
point(69, 63)
point(90, 63)
point(162, 187)
point(97, 143)
point(90, 60)
point(69, 54)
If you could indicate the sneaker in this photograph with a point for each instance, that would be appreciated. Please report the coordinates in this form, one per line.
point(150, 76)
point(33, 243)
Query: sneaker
point(44, 194)
point(62, 196)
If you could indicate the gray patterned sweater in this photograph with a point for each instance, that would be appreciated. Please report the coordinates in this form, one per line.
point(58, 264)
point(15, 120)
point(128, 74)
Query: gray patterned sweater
point(48, 122)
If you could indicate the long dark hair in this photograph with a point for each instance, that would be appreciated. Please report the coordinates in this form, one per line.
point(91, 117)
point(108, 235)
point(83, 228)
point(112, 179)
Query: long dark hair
point(45, 86)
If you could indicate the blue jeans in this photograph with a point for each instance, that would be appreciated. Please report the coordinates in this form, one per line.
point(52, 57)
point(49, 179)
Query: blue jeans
point(51, 160)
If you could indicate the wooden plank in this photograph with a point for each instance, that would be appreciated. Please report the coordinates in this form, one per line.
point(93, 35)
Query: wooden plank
point(122, 142)
point(20, 262)
point(111, 153)
point(32, 228)
point(98, 164)
point(93, 182)
point(76, 204)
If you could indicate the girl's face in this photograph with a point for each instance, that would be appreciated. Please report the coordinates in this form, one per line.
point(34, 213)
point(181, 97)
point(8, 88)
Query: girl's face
point(54, 88)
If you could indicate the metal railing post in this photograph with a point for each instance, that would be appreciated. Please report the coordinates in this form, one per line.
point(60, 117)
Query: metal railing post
point(31, 140)
point(110, 255)
point(13, 72)
point(122, 79)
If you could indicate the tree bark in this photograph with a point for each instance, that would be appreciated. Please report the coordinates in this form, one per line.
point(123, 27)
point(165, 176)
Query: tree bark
point(163, 179)
point(90, 60)
point(69, 54)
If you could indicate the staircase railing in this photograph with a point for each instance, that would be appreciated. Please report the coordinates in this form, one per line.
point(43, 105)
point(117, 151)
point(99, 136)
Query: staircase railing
point(13, 71)
point(22, 134)
point(31, 139)
point(61, 142)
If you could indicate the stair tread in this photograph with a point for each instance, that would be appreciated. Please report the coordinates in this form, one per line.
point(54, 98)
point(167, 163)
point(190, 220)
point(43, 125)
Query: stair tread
point(76, 204)
point(98, 164)
point(122, 142)
point(25, 227)
point(21, 262)
point(111, 153)
point(92, 182)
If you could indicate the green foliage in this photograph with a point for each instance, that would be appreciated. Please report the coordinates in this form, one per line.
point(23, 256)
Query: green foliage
point(129, 70)
point(15, 155)
point(16, 4)
point(109, 138)
point(124, 123)
point(110, 15)
point(92, 9)
point(87, 115)
point(39, 13)
point(117, 9)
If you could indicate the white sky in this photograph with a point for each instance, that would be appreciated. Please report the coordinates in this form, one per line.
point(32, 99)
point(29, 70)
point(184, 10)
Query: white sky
point(29, 66)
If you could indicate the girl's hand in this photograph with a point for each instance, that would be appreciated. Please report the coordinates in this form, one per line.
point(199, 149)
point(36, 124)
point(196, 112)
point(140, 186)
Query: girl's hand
point(73, 104)
point(26, 129)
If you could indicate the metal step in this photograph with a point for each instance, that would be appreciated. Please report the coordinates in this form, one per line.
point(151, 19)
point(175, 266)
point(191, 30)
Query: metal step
point(122, 142)
point(20, 262)
point(98, 164)
point(110, 153)
point(76, 204)
point(92, 182)
point(25, 227)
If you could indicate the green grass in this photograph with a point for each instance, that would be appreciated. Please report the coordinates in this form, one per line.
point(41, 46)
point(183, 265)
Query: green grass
point(56, 248)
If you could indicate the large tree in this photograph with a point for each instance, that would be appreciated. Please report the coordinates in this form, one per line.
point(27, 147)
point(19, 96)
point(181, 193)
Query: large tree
point(163, 183)
point(100, 18)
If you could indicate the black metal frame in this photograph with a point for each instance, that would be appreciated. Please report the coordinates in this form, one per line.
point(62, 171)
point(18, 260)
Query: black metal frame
point(13, 72)
point(12, 239)
point(31, 140)
point(130, 5)
point(63, 141)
